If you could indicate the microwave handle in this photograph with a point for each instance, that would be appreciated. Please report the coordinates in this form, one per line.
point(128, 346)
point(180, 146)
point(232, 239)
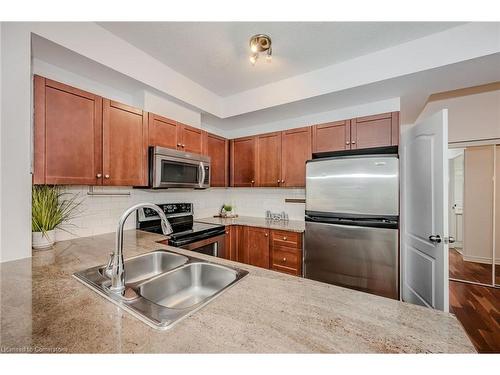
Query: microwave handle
point(202, 174)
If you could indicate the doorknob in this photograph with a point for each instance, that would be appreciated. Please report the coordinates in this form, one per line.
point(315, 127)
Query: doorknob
point(449, 239)
point(435, 238)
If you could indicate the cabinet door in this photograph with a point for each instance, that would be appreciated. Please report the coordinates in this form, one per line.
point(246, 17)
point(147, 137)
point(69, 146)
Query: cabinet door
point(243, 154)
point(269, 159)
point(296, 150)
point(125, 145)
point(189, 138)
point(217, 148)
point(68, 130)
point(375, 131)
point(162, 131)
point(332, 136)
point(256, 245)
point(231, 242)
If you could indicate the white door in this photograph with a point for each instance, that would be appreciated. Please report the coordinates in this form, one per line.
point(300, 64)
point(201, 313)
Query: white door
point(424, 248)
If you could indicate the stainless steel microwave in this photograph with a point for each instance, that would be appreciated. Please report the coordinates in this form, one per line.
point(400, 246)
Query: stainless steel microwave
point(177, 169)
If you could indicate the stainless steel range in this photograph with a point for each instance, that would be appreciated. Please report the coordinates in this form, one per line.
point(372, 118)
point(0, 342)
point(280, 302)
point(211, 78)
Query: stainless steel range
point(187, 233)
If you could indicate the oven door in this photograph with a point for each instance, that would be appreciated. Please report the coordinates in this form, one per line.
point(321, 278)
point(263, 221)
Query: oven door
point(213, 246)
point(170, 171)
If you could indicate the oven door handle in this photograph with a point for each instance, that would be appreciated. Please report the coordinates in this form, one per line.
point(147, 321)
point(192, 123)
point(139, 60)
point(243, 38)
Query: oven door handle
point(202, 174)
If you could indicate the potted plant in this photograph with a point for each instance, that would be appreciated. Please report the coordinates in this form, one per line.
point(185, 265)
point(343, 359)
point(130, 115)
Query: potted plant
point(49, 210)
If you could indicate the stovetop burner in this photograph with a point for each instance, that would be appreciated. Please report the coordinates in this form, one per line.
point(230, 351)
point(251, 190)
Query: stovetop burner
point(180, 216)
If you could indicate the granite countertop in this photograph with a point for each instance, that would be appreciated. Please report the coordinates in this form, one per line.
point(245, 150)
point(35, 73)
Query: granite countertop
point(44, 309)
point(290, 225)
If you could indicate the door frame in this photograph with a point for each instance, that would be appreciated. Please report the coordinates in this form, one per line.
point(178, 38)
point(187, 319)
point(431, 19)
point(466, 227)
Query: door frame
point(495, 143)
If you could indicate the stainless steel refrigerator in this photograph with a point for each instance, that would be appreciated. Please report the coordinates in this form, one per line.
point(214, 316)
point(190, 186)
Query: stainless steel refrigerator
point(352, 221)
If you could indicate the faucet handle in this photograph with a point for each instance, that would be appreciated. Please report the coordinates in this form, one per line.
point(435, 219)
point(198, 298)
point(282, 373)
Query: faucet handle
point(109, 266)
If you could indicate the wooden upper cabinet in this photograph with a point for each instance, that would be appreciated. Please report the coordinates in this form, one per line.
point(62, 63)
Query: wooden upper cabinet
point(256, 246)
point(189, 138)
point(243, 160)
point(332, 136)
point(375, 131)
point(217, 148)
point(172, 134)
point(67, 130)
point(125, 144)
point(162, 131)
point(295, 150)
point(268, 159)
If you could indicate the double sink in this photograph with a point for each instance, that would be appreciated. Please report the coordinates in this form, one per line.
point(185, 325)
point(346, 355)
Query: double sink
point(163, 287)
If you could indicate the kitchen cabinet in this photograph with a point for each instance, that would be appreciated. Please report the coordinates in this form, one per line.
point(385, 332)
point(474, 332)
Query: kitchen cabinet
point(189, 139)
point(68, 134)
point(295, 151)
point(375, 131)
point(363, 132)
point(172, 134)
point(279, 250)
point(286, 252)
point(332, 136)
point(243, 162)
point(268, 159)
point(231, 242)
point(124, 145)
point(217, 148)
point(256, 246)
point(162, 131)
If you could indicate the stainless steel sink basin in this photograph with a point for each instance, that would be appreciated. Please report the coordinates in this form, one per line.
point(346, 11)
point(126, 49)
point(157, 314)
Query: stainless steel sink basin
point(163, 287)
point(188, 286)
point(146, 266)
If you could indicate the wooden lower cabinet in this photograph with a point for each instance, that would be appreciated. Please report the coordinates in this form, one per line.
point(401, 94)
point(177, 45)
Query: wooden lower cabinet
point(256, 246)
point(267, 248)
point(286, 252)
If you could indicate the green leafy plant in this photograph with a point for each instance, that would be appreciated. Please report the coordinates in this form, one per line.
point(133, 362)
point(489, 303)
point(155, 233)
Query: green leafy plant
point(228, 208)
point(49, 209)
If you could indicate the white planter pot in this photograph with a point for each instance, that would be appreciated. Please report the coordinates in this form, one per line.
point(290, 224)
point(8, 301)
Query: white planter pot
point(43, 242)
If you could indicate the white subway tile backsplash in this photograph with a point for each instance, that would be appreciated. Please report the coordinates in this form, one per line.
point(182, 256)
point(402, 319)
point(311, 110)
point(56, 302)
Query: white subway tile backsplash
point(100, 215)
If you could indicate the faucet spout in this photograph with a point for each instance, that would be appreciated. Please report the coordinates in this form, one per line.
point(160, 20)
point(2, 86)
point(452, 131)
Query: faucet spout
point(117, 264)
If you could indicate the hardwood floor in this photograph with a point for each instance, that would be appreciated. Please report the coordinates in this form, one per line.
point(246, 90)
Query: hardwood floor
point(478, 310)
point(471, 271)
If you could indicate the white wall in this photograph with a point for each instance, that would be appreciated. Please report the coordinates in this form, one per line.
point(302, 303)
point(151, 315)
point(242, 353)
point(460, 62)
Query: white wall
point(163, 107)
point(15, 189)
point(99, 215)
point(470, 117)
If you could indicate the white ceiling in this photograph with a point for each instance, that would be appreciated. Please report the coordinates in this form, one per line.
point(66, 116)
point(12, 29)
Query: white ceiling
point(215, 54)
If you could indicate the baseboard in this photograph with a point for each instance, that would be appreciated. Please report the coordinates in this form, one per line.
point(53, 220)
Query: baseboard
point(476, 259)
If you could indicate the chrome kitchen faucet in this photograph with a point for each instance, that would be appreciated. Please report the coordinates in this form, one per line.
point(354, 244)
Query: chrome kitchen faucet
point(116, 265)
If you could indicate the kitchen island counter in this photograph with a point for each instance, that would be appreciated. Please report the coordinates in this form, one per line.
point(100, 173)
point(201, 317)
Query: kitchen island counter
point(45, 309)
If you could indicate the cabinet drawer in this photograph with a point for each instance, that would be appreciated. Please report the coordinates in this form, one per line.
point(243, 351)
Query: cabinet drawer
point(288, 239)
point(287, 260)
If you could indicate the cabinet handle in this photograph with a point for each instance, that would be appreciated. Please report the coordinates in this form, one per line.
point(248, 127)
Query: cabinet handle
point(227, 232)
point(347, 143)
point(179, 145)
point(284, 238)
point(183, 146)
point(265, 234)
point(252, 181)
point(99, 175)
point(284, 260)
point(353, 142)
point(279, 181)
point(106, 176)
point(282, 181)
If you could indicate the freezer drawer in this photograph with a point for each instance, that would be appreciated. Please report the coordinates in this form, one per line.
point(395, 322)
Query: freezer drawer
point(356, 185)
point(355, 257)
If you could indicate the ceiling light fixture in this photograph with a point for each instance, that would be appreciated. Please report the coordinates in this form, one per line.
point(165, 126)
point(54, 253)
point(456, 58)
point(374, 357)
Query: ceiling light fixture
point(260, 43)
